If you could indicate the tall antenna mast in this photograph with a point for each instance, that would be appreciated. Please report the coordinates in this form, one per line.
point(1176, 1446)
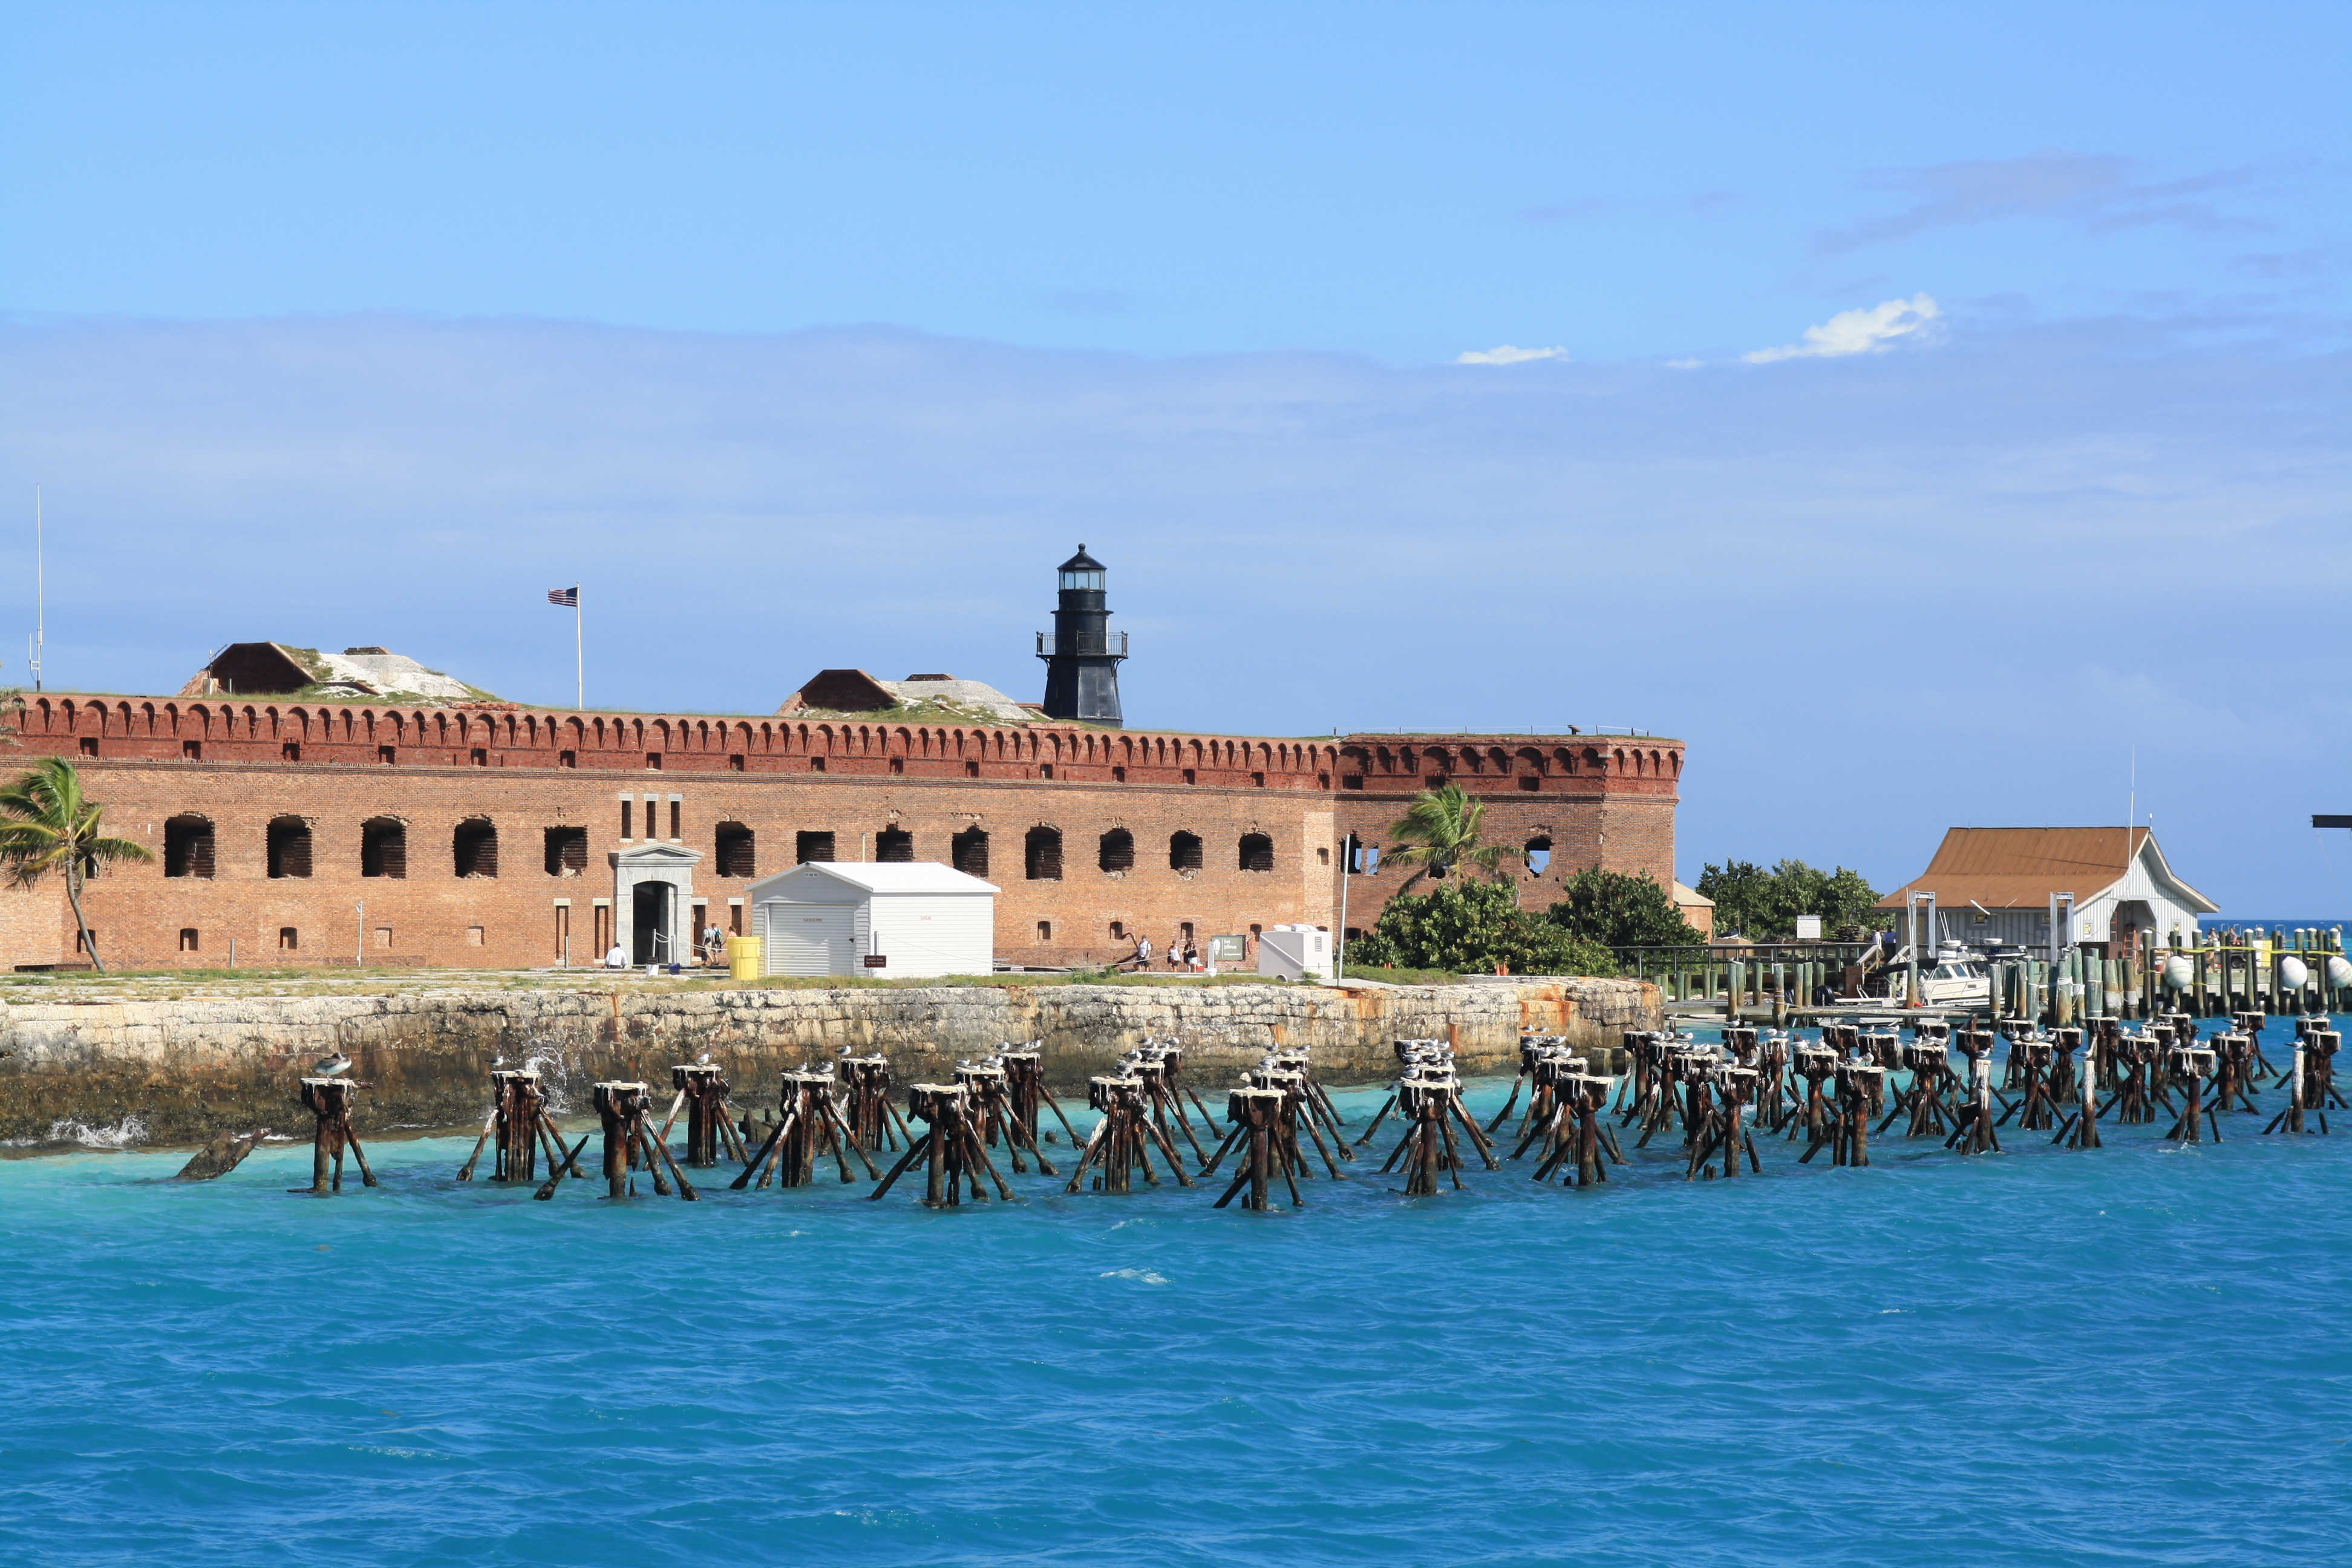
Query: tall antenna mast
point(40, 592)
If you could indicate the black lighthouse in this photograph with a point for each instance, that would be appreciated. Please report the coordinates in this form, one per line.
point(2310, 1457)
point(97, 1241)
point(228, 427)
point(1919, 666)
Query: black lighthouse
point(1081, 669)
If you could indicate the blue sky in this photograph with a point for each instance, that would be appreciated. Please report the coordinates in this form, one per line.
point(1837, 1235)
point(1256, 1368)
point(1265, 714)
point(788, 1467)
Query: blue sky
point(1914, 409)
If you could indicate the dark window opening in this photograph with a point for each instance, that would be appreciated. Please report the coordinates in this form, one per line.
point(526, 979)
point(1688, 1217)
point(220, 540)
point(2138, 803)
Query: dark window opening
point(288, 939)
point(1189, 776)
point(676, 813)
point(808, 847)
point(1256, 852)
point(736, 851)
point(383, 848)
point(290, 751)
point(972, 770)
point(1117, 850)
point(629, 818)
point(1184, 852)
point(1258, 780)
point(482, 756)
point(894, 844)
point(567, 759)
point(1352, 781)
point(289, 847)
point(80, 945)
point(1185, 929)
point(1046, 770)
point(386, 754)
point(735, 762)
point(192, 751)
point(1043, 855)
point(968, 851)
point(1045, 931)
point(1323, 781)
point(1528, 781)
point(187, 847)
point(1538, 853)
point(898, 764)
point(652, 761)
point(474, 847)
point(1118, 775)
point(188, 939)
point(1117, 931)
point(817, 765)
point(89, 745)
point(567, 851)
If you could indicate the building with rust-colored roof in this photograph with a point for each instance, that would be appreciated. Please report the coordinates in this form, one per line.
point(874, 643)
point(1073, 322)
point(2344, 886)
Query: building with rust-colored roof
point(1995, 884)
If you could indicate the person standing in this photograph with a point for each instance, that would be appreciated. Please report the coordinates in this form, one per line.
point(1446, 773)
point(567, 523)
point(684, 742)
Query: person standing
point(1142, 952)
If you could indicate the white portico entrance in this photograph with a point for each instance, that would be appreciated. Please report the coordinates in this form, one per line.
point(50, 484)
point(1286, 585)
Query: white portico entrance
point(652, 902)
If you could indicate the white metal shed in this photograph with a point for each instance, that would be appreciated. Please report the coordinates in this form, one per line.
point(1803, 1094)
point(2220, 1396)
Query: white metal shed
point(890, 919)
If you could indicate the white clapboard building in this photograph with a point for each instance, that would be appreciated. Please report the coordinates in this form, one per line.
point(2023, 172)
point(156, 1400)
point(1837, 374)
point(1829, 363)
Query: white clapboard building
point(889, 918)
point(1993, 887)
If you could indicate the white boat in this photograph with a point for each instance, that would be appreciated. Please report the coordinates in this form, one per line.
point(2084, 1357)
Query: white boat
point(1953, 978)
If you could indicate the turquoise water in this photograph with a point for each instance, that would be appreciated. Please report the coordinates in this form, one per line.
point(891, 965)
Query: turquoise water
point(2133, 1354)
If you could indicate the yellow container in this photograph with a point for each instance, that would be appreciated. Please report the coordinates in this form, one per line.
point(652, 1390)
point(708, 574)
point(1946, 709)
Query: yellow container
point(743, 957)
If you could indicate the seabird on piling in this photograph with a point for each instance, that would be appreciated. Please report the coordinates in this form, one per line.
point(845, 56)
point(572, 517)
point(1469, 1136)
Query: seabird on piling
point(328, 1066)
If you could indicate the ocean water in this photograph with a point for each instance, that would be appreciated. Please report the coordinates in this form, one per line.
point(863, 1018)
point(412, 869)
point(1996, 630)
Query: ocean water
point(2138, 1354)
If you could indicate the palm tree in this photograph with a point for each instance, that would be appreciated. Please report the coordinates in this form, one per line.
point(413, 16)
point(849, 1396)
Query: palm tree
point(1440, 831)
point(47, 825)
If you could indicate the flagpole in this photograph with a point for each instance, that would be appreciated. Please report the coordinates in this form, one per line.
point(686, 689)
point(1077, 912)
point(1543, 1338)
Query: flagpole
point(579, 656)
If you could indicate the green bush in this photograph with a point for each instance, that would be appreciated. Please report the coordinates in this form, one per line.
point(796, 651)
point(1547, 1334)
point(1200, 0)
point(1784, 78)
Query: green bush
point(1762, 905)
point(1616, 909)
point(1469, 928)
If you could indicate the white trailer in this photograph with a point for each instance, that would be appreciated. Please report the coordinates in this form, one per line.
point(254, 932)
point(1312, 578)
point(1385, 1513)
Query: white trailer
point(893, 919)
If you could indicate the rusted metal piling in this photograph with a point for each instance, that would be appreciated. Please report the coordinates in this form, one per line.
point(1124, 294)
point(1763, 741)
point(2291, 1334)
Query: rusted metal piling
point(622, 1110)
point(1719, 1094)
point(2032, 1057)
point(1816, 1064)
point(1847, 1136)
point(1973, 1130)
point(1122, 1140)
point(2310, 1077)
point(1025, 1083)
point(1428, 1100)
point(988, 1089)
point(2189, 1067)
point(1155, 1064)
point(809, 1125)
point(328, 1100)
point(519, 1123)
point(951, 1154)
point(874, 1121)
point(1582, 1145)
point(1255, 1115)
point(702, 1091)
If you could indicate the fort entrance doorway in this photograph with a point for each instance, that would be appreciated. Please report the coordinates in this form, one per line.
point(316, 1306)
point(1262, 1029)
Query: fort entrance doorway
point(652, 890)
point(649, 923)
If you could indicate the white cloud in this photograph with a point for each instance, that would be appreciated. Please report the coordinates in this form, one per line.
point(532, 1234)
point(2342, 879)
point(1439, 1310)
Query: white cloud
point(1856, 331)
point(1504, 354)
point(1684, 364)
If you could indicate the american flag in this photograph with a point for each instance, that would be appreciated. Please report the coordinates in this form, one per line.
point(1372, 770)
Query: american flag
point(567, 597)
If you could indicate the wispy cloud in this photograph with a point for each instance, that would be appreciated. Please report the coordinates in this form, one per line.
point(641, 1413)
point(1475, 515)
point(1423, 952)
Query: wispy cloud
point(2093, 189)
point(1856, 331)
point(1505, 353)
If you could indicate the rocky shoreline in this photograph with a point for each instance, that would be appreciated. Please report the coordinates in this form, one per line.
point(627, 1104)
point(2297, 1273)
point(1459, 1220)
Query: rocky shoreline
point(112, 1072)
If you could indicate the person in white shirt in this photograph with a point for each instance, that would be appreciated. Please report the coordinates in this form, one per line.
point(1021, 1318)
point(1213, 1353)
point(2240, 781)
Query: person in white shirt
point(618, 958)
point(1143, 952)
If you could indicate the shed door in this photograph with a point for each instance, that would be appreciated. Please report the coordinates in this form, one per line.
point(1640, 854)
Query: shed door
point(810, 939)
